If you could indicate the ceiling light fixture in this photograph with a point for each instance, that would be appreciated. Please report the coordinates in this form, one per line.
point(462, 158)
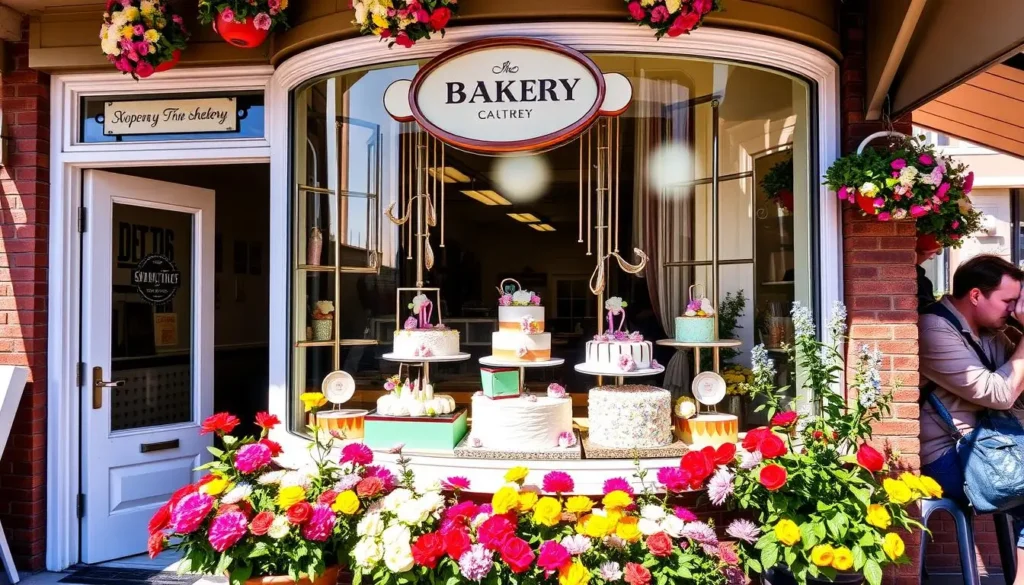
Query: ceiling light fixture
point(479, 197)
point(542, 227)
point(525, 217)
point(493, 195)
point(449, 175)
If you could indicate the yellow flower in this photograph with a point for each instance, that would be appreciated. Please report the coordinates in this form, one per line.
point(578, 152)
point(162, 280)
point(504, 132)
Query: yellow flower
point(579, 504)
point(914, 483)
point(673, 6)
point(311, 400)
point(131, 13)
point(878, 516)
point(516, 474)
point(127, 32)
point(380, 21)
point(898, 492)
point(152, 35)
point(617, 500)
point(148, 7)
point(346, 503)
point(628, 530)
point(289, 496)
point(284, 4)
point(613, 517)
point(215, 487)
point(842, 559)
point(527, 500)
point(787, 532)
point(595, 526)
point(893, 546)
point(822, 555)
point(574, 574)
point(931, 487)
point(548, 511)
point(504, 500)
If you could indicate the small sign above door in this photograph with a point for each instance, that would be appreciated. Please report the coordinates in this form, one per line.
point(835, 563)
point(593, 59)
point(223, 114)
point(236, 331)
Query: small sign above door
point(175, 116)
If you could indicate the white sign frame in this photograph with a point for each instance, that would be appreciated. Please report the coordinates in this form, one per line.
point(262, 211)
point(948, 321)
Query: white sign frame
point(170, 116)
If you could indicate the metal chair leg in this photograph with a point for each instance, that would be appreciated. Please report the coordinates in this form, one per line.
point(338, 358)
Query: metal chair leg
point(1007, 546)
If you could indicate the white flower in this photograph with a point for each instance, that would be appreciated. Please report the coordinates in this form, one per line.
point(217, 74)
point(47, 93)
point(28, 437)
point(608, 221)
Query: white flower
point(720, 486)
point(673, 526)
point(707, 307)
point(432, 501)
point(279, 528)
point(296, 478)
point(690, 313)
point(417, 303)
point(749, 460)
point(413, 513)
point(868, 189)
point(577, 544)
point(610, 572)
point(398, 559)
point(478, 520)
point(367, 553)
point(522, 297)
point(652, 512)
point(237, 494)
point(271, 478)
point(376, 507)
point(614, 305)
point(424, 485)
point(396, 498)
point(325, 307)
point(119, 19)
point(648, 527)
point(370, 525)
point(837, 323)
point(614, 542)
point(361, 11)
point(396, 535)
point(803, 322)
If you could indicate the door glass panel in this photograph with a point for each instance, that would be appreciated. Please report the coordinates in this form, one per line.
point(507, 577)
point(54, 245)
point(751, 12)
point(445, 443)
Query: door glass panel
point(151, 328)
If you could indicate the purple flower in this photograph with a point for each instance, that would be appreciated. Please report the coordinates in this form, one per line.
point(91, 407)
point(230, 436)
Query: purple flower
point(621, 336)
point(655, 364)
point(251, 458)
point(227, 529)
point(410, 323)
point(347, 482)
point(701, 533)
point(684, 514)
point(262, 21)
point(190, 512)
point(744, 530)
point(476, 563)
point(720, 486)
point(898, 164)
point(693, 305)
point(320, 525)
point(735, 576)
point(926, 159)
point(577, 544)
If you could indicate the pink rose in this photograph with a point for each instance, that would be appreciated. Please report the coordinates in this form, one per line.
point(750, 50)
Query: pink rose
point(969, 183)
point(878, 202)
point(898, 164)
point(636, 12)
point(955, 224)
point(320, 525)
point(659, 14)
point(252, 458)
point(884, 216)
point(517, 554)
point(262, 21)
point(495, 531)
point(190, 512)
point(553, 557)
point(926, 159)
point(917, 211)
point(703, 6)
point(227, 529)
point(227, 15)
point(942, 190)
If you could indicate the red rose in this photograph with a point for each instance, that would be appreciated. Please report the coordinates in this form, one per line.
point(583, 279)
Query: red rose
point(439, 18)
point(221, 423)
point(754, 438)
point(327, 497)
point(699, 466)
point(725, 454)
point(870, 459)
point(160, 520)
point(155, 544)
point(683, 23)
point(636, 12)
point(773, 477)
point(299, 512)
point(267, 421)
point(785, 419)
point(637, 574)
point(274, 446)
point(659, 544)
point(403, 40)
point(261, 523)
point(772, 446)
point(428, 549)
point(517, 554)
point(369, 487)
point(495, 531)
point(456, 542)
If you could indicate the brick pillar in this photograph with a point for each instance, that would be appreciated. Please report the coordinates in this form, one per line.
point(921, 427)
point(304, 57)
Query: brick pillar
point(880, 278)
point(25, 209)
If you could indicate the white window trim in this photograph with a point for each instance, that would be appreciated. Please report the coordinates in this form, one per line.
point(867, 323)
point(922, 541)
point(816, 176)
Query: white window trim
point(706, 42)
point(67, 160)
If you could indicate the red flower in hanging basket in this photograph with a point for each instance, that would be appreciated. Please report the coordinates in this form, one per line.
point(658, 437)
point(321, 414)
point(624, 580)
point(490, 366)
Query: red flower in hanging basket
point(778, 184)
point(243, 23)
point(142, 38)
point(672, 17)
point(403, 22)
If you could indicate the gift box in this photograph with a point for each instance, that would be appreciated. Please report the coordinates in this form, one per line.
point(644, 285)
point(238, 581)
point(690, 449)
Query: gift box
point(500, 382)
point(416, 432)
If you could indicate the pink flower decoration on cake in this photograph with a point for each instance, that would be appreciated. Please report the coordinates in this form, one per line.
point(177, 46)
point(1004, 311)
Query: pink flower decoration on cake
point(655, 364)
point(410, 323)
point(529, 397)
point(601, 338)
point(476, 442)
point(556, 390)
point(636, 337)
point(422, 351)
point(621, 336)
point(693, 305)
point(389, 385)
point(566, 439)
point(535, 300)
point(505, 300)
point(522, 351)
point(527, 324)
point(626, 363)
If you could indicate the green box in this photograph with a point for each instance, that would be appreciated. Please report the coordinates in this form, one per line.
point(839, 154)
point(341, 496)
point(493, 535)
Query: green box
point(416, 432)
point(500, 382)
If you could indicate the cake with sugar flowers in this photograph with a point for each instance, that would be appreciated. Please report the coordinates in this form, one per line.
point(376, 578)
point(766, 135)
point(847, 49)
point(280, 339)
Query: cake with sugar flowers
point(529, 422)
point(617, 350)
point(419, 338)
point(520, 336)
point(697, 325)
point(409, 399)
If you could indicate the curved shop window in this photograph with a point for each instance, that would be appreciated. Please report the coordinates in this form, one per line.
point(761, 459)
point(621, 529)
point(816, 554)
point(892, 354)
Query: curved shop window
point(525, 218)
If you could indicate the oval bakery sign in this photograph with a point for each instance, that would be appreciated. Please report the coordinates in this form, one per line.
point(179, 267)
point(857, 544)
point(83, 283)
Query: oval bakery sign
point(507, 95)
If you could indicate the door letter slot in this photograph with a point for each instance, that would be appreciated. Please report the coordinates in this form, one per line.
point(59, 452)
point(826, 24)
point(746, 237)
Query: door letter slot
point(162, 446)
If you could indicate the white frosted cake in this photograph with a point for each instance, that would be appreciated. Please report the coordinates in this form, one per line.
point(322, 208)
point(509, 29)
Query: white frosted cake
point(608, 354)
point(434, 342)
point(520, 335)
point(631, 416)
point(408, 400)
point(526, 423)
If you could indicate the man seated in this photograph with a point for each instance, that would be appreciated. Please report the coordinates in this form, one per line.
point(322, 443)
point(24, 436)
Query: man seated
point(971, 361)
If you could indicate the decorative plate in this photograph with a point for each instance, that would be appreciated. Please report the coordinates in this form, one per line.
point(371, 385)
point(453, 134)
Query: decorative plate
point(339, 387)
point(708, 388)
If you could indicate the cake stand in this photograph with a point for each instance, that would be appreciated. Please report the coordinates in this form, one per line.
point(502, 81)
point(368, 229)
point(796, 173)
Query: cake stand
point(424, 377)
point(714, 346)
point(500, 363)
point(619, 376)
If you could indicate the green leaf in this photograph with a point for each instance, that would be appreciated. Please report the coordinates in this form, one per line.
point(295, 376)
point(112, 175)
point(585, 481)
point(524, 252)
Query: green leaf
point(241, 574)
point(769, 556)
point(873, 572)
point(790, 556)
point(868, 539)
point(807, 535)
point(223, 564)
point(755, 566)
point(819, 531)
point(859, 558)
point(662, 579)
point(260, 550)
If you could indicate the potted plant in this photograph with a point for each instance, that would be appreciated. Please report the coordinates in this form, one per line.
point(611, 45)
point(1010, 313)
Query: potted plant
point(244, 23)
point(670, 17)
point(778, 184)
point(142, 37)
point(260, 518)
point(403, 22)
point(823, 509)
point(323, 321)
point(909, 180)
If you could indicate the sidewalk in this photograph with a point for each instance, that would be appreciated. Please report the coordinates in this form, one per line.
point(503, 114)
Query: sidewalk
point(166, 564)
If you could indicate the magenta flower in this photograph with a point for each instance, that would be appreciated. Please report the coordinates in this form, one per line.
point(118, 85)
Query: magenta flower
point(535, 300)
point(505, 301)
point(227, 529)
point(884, 216)
point(659, 14)
point(558, 482)
point(942, 190)
point(879, 202)
point(262, 21)
point(843, 193)
point(357, 453)
point(553, 557)
point(566, 439)
point(955, 224)
point(227, 15)
point(383, 474)
point(455, 483)
point(917, 211)
point(617, 484)
point(926, 159)
point(969, 183)
point(144, 69)
point(190, 512)
point(898, 164)
point(684, 514)
point(626, 363)
point(320, 525)
point(139, 30)
point(252, 458)
point(673, 478)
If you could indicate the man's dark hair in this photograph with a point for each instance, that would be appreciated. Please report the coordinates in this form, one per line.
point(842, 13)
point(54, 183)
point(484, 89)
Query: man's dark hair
point(983, 272)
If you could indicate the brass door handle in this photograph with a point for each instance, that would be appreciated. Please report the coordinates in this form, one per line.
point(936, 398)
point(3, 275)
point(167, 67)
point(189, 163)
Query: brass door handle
point(98, 384)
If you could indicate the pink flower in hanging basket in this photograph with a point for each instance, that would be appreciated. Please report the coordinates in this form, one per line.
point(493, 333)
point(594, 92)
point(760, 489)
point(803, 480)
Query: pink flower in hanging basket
point(898, 164)
point(884, 216)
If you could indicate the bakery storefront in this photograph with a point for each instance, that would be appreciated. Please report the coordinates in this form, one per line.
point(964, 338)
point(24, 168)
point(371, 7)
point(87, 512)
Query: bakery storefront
point(523, 242)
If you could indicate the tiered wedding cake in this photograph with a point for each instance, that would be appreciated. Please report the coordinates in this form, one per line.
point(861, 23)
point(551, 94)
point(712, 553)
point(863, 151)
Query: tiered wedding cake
point(526, 423)
point(419, 339)
point(520, 335)
point(618, 350)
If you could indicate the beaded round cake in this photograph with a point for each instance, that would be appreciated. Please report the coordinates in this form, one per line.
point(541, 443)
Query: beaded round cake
point(630, 416)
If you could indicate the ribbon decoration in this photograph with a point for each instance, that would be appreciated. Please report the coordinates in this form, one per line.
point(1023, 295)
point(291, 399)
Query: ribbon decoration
point(597, 278)
point(426, 310)
point(431, 216)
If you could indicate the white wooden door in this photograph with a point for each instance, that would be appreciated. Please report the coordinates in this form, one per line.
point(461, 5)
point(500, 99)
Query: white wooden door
point(147, 348)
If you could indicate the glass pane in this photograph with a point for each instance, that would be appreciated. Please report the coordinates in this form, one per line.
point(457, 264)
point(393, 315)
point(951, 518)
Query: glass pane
point(250, 120)
point(151, 328)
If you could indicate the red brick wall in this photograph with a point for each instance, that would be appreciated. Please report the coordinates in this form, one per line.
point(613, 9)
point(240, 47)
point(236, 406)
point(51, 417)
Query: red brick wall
point(25, 213)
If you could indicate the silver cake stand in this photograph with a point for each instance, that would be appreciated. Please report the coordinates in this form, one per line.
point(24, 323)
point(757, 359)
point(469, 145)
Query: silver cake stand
point(500, 363)
point(620, 376)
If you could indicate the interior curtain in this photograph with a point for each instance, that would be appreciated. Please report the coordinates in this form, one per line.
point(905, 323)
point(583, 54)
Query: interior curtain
point(663, 215)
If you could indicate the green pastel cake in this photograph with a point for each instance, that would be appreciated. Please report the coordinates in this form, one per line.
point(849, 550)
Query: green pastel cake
point(438, 432)
point(500, 382)
point(697, 325)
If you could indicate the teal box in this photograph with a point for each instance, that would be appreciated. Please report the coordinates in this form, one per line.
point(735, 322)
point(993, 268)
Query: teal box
point(416, 432)
point(500, 382)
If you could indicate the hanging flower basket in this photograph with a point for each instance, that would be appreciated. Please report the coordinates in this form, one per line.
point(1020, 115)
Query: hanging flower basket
point(670, 17)
point(142, 37)
point(243, 23)
point(404, 22)
point(908, 180)
point(778, 184)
